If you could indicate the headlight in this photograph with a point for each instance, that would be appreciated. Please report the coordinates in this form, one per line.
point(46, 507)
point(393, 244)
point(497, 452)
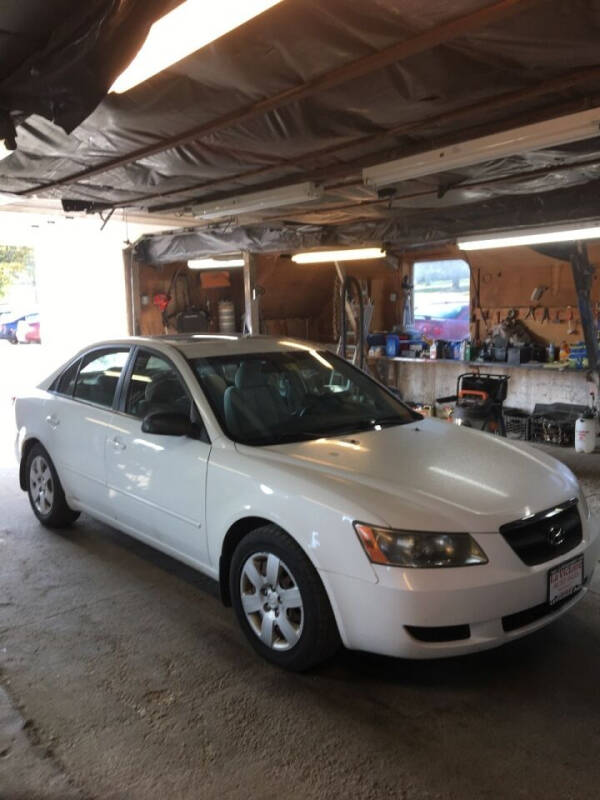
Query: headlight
point(419, 548)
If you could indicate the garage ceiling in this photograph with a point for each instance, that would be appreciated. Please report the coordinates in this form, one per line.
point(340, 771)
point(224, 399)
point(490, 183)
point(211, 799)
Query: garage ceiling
point(307, 91)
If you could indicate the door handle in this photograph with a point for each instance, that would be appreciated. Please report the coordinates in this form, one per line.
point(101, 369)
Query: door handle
point(53, 421)
point(118, 444)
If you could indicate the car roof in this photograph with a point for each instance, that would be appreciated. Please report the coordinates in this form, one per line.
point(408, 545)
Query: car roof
point(202, 345)
point(215, 344)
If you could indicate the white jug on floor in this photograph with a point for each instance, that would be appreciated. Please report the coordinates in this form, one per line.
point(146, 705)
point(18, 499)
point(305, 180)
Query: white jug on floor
point(585, 435)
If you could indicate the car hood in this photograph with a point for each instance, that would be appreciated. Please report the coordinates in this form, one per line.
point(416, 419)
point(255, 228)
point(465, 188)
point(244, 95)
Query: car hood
point(411, 475)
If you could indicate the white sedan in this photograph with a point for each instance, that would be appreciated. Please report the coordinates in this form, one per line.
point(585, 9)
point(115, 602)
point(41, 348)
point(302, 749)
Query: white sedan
point(327, 510)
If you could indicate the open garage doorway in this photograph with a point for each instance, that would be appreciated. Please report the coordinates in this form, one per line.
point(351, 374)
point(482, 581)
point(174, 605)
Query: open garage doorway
point(62, 286)
point(21, 354)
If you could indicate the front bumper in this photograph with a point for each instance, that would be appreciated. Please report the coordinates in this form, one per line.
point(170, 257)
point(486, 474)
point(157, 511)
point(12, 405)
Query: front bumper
point(375, 616)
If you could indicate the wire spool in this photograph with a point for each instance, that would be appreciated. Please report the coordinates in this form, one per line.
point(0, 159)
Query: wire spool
point(226, 315)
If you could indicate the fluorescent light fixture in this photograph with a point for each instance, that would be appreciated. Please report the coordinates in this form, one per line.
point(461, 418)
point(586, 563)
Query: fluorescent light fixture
point(552, 132)
point(322, 256)
point(272, 198)
point(210, 336)
point(215, 263)
point(531, 236)
point(182, 31)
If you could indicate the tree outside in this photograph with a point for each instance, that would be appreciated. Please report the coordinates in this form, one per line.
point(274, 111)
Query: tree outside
point(17, 267)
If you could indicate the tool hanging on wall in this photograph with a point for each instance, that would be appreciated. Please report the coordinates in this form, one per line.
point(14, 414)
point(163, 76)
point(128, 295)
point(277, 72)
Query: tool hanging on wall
point(359, 350)
point(531, 313)
point(537, 293)
point(571, 326)
point(407, 304)
point(358, 310)
point(476, 283)
point(188, 318)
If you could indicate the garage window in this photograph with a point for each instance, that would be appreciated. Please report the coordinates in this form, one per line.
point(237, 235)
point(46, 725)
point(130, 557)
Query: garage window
point(99, 375)
point(442, 298)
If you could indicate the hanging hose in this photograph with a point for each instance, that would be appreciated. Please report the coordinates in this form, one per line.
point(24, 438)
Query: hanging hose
point(350, 282)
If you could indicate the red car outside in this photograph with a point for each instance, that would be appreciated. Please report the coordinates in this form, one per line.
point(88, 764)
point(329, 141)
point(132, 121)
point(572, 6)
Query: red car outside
point(451, 324)
point(28, 330)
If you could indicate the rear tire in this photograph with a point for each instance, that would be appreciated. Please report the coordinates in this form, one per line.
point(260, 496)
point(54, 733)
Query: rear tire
point(280, 602)
point(45, 492)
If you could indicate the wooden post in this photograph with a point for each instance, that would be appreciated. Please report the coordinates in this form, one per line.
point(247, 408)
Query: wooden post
point(132, 291)
point(583, 274)
point(252, 318)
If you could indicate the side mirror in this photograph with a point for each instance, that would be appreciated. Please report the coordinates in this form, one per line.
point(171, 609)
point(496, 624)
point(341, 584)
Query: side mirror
point(168, 423)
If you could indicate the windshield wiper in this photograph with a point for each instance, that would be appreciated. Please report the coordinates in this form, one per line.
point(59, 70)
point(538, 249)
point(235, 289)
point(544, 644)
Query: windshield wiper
point(366, 424)
point(283, 438)
point(395, 419)
point(350, 427)
point(343, 429)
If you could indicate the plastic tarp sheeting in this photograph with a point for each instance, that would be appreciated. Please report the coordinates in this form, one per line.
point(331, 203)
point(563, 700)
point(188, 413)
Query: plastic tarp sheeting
point(61, 56)
point(396, 233)
point(296, 41)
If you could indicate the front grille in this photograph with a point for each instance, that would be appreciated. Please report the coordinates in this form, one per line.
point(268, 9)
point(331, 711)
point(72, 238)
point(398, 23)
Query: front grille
point(545, 536)
point(441, 633)
point(531, 615)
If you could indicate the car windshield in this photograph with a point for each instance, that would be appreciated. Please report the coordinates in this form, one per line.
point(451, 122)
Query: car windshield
point(289, 396)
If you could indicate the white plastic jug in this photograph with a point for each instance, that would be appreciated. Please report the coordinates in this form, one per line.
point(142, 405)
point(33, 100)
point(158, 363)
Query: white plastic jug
point(585, 435)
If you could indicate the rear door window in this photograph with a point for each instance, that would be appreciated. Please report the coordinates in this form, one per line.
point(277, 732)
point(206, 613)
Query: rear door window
point(99, 375)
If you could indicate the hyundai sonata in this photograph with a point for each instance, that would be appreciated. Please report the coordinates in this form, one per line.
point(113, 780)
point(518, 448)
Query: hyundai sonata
point(327, 510)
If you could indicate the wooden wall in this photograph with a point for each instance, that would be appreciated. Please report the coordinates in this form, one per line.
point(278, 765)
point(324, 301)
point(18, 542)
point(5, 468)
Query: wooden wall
point(509, 276)
point(298, 300)
point(156, 280)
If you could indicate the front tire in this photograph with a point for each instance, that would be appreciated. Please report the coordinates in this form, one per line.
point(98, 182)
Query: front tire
point(45, 492)
point(280, 602)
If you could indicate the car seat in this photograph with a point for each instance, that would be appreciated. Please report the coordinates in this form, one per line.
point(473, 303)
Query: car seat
point(164, 394)
point(253, 406)
point(215, 387)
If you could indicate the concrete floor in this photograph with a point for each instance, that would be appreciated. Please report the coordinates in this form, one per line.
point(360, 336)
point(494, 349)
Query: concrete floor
point(122, 676)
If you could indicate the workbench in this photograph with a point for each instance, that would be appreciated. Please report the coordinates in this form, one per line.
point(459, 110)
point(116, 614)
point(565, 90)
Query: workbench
point(422, 380)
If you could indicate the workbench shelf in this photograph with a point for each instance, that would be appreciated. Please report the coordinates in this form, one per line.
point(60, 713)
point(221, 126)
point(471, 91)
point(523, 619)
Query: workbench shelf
point(473, 364)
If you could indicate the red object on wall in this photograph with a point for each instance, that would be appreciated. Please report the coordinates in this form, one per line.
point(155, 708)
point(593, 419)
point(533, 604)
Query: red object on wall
point(161, 300)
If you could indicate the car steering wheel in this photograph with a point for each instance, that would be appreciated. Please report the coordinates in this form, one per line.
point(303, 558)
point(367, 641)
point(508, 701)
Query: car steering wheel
point(320, 402)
